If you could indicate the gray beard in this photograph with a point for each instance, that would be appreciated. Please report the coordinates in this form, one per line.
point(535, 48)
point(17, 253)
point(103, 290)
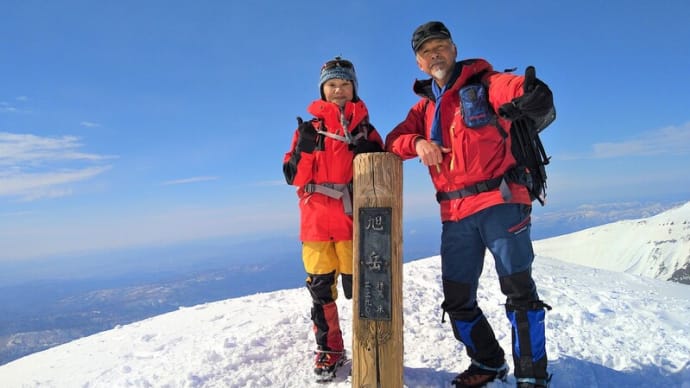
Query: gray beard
point(439, 74)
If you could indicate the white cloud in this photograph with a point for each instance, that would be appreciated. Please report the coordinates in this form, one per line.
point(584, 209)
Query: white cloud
point(671, 140)
point(668, 140)
point(273, 183)
point(34, 167)
point(35, 150)
point(5, 107)
point(47, 193)
point(89, 124)
point(190, 180)
point(46, 184)
point(21, 213)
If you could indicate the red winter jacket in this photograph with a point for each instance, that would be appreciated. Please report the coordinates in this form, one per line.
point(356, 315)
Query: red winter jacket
point(323, 218)
point(476, 154)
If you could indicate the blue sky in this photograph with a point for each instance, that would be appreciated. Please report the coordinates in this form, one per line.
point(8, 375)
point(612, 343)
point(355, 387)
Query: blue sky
point(134, 123)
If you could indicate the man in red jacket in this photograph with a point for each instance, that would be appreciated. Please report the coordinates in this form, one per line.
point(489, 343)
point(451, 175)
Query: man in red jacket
point(319, 163)
point(460, 129)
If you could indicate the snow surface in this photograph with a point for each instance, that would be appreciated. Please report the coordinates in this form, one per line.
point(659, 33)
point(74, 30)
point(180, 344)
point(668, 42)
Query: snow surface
point(655, 247)
point(606, 329)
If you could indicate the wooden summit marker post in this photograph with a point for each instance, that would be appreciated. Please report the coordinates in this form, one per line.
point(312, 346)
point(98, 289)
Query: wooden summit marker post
point(377, 324)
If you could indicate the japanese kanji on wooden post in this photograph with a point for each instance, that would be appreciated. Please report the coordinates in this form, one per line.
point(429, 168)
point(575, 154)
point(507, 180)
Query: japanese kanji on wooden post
point(377, 298)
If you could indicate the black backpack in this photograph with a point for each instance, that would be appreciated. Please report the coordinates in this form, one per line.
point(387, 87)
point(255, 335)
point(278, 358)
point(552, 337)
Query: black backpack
point(530, 155)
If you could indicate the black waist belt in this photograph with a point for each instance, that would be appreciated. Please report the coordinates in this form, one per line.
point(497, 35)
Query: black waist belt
point(481, 187)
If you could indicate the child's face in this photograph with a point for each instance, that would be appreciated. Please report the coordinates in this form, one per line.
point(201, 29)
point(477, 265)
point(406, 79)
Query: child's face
point(338, 91)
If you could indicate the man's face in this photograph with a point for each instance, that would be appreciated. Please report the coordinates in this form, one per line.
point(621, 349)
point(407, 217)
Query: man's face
point(338, 91)
point(436, 57)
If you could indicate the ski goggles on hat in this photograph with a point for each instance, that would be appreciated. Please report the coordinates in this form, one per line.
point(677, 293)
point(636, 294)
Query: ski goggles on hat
point(337, 62)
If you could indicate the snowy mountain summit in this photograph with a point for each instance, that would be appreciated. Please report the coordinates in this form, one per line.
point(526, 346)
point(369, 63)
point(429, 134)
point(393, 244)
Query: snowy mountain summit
point(606, 329)
point(656, 247)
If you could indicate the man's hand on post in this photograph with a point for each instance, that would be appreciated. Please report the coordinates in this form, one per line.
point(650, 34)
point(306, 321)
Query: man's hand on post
point(430, 153)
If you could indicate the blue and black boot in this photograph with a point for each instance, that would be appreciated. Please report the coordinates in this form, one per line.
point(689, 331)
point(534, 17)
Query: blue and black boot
point(488, 358)
point(529, 343)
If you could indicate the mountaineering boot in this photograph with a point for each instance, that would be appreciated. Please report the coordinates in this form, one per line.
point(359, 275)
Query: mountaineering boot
point(533, 383)
point(478, 375)
point(326, 363)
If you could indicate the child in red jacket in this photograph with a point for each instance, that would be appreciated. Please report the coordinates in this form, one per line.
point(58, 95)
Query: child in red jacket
point(319, 163)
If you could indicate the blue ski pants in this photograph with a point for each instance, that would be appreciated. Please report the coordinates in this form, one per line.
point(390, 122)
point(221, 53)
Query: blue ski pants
point(505, 231)
point(502, 229)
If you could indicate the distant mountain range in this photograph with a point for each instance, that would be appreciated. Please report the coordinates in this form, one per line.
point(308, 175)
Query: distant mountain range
point(549, 222)
point(656, 247)
point(41, 313)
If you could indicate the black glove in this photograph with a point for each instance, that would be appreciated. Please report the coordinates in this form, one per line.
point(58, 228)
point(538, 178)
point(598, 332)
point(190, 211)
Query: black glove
point(535, 103)
point(306, 142)
point(365, 146)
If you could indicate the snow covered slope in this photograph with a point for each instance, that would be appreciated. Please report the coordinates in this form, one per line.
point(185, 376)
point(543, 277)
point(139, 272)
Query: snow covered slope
point(657, 247)
point(606, 329)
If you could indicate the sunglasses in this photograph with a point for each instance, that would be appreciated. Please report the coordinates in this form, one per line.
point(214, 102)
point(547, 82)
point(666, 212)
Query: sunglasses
point(337, 62)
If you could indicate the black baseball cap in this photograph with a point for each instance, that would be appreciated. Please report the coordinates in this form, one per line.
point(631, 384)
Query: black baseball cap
point(429, 30)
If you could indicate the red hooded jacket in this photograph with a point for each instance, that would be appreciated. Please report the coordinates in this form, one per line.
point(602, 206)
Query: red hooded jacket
point(323, 218)
point(477, 154)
